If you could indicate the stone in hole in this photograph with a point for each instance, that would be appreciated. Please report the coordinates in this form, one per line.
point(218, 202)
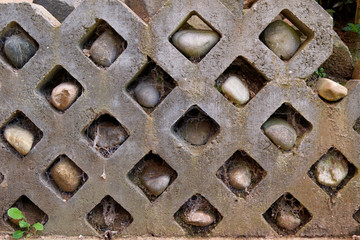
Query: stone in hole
point(102, 44)
point(151, 86)
point(60, 89)
point(356, 216)
point(286, 127)
point(106, 134)
point(152, 175)
point(20, 134)
point(332, 171)
point(65, 177)
point(196, 127)
point(241, 173)
point(17, 47)
point(195, 37)
point(32, 213)
point(286, 35)
point(250, 78)
point(357, 126)
point(108, 215)
point(287, 215)
point(197, 216)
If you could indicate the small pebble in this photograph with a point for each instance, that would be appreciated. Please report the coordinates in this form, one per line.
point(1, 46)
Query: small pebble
point(20, 138)
point(235, 90)
point(105, 49)
point(280, 132)
point(107, 134)
point(330, 90)
point(155, 179)
point(147, 95)
point(63, 95)
point(331, 170)
point(199, 219)
point(288, 220)
point(19, 49)
point(195, 43)
point(240, 177)
point(196, 131)
point(66, 174)
point(282, 39)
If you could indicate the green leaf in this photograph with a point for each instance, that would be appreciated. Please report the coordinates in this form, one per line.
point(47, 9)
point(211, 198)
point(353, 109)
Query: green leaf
point(24, 224)
point(38, 226)
point(15, 213)
point(28, 235)
point(18, 234)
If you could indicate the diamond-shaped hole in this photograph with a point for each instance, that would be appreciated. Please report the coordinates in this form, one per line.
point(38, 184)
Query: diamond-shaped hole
point(287, 215)
point(195, 37)
point(20, 134)
point(151, 86)
point(65, 177)
point(17, 47)
point(241, 173)
point(332, 171)
point(152, 175)
point(102, 44)
point(197, 216)
point(106, 134)
point(286, 35)
point(109, 215)
point(356, 216)
point(286, 127)
point(60, 89)
point(240, 82)
point(32, 213)
point(357, 126)
point(196, 127)
point(1, 177)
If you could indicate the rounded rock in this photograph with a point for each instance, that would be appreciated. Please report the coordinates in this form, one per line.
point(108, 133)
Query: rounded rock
point(195, 43)
point(108, 134)
point(63, 95)
point(20, 138)
point(240, 177)
point(330, 171)
point(199, 219)
point(282, 39)
point(155, 179)
point(280, 132)
point(330, 90)
point(288, 220)
point(197, 132)
point(66, 175)
point(235, 90)
point(105, 49)
point(19, 49)
point(147, 95)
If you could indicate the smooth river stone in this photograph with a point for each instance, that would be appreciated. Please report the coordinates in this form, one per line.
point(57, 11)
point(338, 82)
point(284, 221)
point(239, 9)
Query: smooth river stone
point(331, 170)
point(240, 177)
point(330, 90)
point(280, 132)
point(66, 175)
point(195, 43)
point(199, 219)
point(20, 138)
point(19, 49)
point(196, 132)
point(282, 39)
point(288, 220)
point(155, 179)
point(147, 95)
point(107, 134)
point(63, 95)
point(235, 90)
point(105, 49)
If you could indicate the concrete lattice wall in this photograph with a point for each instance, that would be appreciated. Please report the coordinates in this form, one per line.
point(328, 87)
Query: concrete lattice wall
point(106, 91)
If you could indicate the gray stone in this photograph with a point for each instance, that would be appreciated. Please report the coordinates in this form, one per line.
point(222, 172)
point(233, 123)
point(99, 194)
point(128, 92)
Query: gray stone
point(280, 132)
point(105, 49)
point(156, 179)
point(235, 90)
point(199, 218)
point(107, 134)
point(147, 95)
point(240, 176)
point(19, 49)
point(331, 170)
point(330, 90)
point(60, 9)
point(196, 131)
point(288, 220)
point(66, 174)
point(282, 39)
point(63, 95)
point(20, 138)
point(195, 43)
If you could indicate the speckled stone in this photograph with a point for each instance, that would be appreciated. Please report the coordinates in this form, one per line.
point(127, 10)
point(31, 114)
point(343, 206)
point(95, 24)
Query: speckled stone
point(105, 49)
point(63, 95)
point(240, 176)
point(330, 170)
point(330, 90)
point(235, 90)
point(196, 132)
point(147, 95)
point(66, 175)
point(280, 132)
point(19, 49)
point(20, 138)
point(288, 220)
point(199, 218)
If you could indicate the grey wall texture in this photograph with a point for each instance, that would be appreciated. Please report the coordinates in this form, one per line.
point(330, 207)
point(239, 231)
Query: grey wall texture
point(110, 189)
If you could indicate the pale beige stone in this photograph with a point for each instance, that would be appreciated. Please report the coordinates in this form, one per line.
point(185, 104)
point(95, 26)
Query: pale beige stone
point(288, 220)
point(199, 219)
point(330, 90)
point(280, 132)
point(235, 90)
point(66, 174)
point(240, 177)
point(63, 95)
point(20, 138)
point(331, 171)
